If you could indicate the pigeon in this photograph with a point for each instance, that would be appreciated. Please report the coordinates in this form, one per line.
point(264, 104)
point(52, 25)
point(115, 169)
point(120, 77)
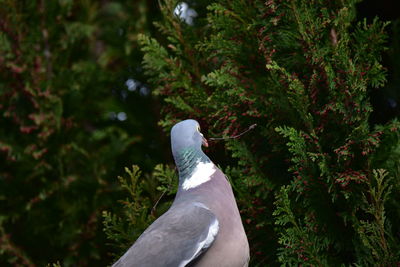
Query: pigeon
point(203, 226)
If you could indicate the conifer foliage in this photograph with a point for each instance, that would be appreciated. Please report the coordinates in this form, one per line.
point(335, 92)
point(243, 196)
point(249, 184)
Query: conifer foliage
point(63, 67)
point(316, 183)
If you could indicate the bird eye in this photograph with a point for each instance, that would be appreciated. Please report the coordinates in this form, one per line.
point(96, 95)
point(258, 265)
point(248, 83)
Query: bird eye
point(198, 128)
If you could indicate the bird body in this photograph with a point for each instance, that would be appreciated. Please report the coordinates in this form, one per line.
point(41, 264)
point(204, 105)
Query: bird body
point(203, 226)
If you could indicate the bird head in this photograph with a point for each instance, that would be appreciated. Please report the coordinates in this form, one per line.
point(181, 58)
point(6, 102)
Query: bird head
point(186, 134)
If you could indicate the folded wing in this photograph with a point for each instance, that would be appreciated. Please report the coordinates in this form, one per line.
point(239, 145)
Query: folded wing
point(177, 238)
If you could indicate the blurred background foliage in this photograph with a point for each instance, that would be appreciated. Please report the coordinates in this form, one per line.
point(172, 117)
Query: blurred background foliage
point(77, 107)
point(75, 110)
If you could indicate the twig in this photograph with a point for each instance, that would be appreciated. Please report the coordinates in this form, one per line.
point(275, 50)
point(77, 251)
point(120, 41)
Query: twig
point(153, 209)
point(236, 136)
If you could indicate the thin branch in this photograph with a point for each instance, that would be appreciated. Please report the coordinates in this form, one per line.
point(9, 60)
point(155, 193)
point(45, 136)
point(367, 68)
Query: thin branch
point(236, 136)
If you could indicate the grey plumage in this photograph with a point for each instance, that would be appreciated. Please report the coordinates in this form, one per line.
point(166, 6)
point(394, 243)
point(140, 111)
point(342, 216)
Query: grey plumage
point(203, 226)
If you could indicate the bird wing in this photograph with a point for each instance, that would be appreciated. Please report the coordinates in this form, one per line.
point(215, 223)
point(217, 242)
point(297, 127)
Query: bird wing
point(177, 238)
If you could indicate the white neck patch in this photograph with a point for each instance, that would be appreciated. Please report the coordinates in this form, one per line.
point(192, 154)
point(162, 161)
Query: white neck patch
point(202, 173)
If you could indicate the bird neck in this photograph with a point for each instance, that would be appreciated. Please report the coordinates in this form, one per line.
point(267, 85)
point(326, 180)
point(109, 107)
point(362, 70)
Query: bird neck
point(186, 161)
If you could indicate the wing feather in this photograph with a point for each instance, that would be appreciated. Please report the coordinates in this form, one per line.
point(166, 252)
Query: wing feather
point(177, 238)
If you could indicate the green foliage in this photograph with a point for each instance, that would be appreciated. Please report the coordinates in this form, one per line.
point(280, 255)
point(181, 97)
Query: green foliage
point(309, 179)
point(136, 211)
point(63, 65)
point(375, 232)
point(298, 241)
point(303, 71)
point(141, 207)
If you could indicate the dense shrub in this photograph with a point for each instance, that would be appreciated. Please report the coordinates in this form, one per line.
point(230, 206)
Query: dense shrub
point(317, 184)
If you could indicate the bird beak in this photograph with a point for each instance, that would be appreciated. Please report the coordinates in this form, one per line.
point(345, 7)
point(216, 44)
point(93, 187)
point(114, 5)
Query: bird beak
point(205, 143)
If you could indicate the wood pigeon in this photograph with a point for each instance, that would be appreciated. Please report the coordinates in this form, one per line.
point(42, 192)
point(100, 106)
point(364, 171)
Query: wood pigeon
point(203, 226)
